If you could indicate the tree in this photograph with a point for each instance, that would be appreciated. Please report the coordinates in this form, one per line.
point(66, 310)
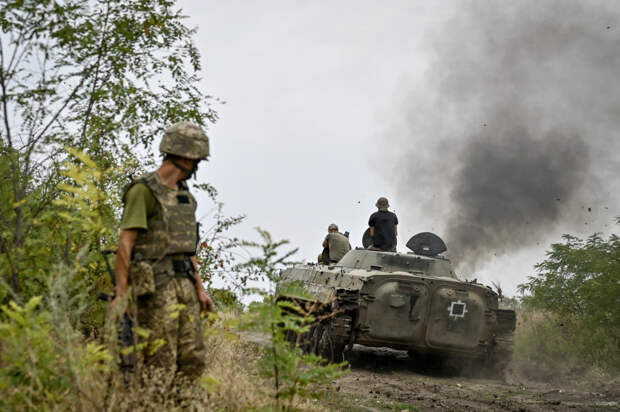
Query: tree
point(578, 282)
point(101, 76)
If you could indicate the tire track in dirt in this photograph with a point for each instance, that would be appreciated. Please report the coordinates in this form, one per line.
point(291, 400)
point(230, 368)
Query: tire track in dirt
point(388, 380)
point(382, 379)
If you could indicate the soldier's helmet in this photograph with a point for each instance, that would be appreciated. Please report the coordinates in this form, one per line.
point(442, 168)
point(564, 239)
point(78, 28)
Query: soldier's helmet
point(185, 139)
point(382, 203)
point(333, 226)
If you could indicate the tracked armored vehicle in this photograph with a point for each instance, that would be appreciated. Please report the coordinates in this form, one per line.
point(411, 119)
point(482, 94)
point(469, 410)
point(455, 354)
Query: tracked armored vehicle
point(408, 301)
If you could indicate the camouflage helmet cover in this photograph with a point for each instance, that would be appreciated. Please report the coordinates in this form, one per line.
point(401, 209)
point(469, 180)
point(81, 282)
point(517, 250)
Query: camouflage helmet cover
point(186, 140)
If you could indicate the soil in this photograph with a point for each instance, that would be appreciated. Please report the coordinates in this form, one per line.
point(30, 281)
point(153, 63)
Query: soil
point(384, 379)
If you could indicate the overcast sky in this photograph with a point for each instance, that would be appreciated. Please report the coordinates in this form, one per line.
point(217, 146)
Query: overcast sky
point(308, 135)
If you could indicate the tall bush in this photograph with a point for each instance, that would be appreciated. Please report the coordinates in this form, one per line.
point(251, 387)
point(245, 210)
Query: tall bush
point(578, 286)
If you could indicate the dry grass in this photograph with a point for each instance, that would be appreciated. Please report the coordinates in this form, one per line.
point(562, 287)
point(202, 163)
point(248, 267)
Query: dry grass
point(230, 377)
point(230, 381)
point(546, 350)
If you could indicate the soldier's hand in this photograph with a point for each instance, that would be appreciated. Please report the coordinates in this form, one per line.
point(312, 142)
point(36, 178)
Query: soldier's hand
point(120, 305)
point(115, 302)
point(205, 301)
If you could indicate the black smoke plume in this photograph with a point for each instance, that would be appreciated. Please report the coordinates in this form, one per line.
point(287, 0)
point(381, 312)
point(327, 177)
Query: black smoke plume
point(514, 132)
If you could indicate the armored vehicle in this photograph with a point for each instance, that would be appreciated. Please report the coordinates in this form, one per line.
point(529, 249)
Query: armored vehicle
point(408, 301)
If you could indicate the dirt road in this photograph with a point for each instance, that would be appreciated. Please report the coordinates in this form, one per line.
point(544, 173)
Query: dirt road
point(383, 379)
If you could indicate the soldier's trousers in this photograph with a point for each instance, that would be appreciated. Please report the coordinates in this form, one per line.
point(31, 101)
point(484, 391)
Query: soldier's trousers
point(175, 349)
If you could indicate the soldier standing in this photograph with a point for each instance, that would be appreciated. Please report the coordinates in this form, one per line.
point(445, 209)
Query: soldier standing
point(335, 245)
point(383, 227)
point(157, 257)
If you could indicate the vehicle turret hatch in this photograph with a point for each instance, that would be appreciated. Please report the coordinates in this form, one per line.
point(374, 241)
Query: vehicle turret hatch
point(426, 244)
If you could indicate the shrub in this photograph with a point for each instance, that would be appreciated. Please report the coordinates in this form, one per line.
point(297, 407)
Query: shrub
point(226, 300)
point(571, 305)
point(44, 364)
point(292, 372)
point(549, 349)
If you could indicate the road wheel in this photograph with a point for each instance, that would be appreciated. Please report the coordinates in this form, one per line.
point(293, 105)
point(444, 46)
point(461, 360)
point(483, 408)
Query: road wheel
point(310, 340)
point(290, 336)
point(327, 347)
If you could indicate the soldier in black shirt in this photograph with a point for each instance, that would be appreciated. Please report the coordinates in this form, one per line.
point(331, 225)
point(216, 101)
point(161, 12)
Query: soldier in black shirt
point(383, 227)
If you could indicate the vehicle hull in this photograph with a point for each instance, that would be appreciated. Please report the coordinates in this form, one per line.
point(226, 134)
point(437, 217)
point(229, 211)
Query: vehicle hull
point(425, 309)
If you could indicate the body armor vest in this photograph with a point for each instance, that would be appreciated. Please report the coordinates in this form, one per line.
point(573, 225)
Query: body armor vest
point(174, 229)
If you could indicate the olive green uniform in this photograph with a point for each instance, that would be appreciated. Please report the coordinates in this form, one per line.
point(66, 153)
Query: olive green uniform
point(140, 206)
point(167, 236)
point(338, 246)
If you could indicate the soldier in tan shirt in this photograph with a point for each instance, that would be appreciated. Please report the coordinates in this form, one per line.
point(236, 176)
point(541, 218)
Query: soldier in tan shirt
point(335, 245)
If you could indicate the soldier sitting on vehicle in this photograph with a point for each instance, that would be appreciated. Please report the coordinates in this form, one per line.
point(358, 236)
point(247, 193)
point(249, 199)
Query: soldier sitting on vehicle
point(335, 245)
point(383, 227)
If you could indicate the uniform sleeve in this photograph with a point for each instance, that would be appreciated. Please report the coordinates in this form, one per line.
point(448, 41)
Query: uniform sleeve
point(395, 219)
point(139, 206)
point(371, 221)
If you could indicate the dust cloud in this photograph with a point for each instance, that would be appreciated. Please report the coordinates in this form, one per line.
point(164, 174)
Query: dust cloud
point(513, 133)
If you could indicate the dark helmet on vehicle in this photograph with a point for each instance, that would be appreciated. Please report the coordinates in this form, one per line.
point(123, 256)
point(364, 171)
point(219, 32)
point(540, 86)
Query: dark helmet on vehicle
point(382, 203)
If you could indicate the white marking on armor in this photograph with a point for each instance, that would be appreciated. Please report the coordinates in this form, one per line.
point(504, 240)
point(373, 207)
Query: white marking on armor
point(457, 309)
